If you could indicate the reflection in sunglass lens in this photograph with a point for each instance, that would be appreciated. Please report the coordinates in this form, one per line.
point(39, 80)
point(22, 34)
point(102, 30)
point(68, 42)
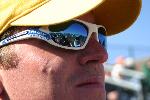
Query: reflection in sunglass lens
point(102, 36)
point(73, 35)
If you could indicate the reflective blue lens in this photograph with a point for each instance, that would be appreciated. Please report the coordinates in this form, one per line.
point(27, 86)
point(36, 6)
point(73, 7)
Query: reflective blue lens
point(73, 35)
point(102, 40)
point(102, 36)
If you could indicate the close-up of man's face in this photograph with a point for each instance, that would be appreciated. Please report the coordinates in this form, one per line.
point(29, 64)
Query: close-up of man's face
point(55, 49)
point(46, 72)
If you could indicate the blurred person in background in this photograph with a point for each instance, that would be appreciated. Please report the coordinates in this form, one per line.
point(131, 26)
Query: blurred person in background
point(118, 68)
point(130, 63)
point(146, 80)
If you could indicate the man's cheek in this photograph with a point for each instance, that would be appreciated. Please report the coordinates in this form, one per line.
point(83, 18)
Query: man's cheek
point(55, 69)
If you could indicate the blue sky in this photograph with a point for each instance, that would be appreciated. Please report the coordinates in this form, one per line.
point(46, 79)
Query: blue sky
point(135, 41)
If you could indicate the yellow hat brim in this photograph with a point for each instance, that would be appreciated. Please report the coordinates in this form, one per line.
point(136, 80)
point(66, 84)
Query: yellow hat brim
point(117, 15)
point(56, 11)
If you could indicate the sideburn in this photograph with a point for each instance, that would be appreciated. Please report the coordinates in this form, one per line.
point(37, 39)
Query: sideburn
point(8, 58)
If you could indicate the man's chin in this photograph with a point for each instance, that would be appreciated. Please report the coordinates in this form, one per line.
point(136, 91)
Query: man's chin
point(90, 93)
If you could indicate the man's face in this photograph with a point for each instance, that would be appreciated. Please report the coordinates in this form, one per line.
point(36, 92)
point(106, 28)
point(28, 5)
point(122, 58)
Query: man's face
point(45, 72)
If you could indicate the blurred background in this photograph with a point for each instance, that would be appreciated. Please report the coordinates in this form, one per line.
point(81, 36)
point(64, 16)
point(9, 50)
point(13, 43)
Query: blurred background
point(127, 70)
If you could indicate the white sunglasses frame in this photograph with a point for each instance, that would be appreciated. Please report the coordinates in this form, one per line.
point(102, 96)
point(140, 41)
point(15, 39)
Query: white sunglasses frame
point(92, 28)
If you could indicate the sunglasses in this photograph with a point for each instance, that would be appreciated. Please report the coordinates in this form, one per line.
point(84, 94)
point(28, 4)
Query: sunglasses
point(72, 35)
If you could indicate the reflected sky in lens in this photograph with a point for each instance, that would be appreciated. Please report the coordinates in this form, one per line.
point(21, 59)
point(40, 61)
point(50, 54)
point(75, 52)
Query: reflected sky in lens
point(73, 35)
point(76, 29)
point(102, 39)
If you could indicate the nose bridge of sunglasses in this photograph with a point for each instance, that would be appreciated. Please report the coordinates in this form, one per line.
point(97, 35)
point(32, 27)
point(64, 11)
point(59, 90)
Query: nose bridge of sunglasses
point(93, 31)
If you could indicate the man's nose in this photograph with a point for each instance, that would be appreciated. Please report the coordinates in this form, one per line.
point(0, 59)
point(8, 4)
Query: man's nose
point(93, 51)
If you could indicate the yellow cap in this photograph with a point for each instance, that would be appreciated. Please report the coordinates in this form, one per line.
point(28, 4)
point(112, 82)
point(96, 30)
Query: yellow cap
point(115, 15)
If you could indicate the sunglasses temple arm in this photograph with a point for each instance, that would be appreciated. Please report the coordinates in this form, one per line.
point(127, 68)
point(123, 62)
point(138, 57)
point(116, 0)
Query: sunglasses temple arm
point(25, 35)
